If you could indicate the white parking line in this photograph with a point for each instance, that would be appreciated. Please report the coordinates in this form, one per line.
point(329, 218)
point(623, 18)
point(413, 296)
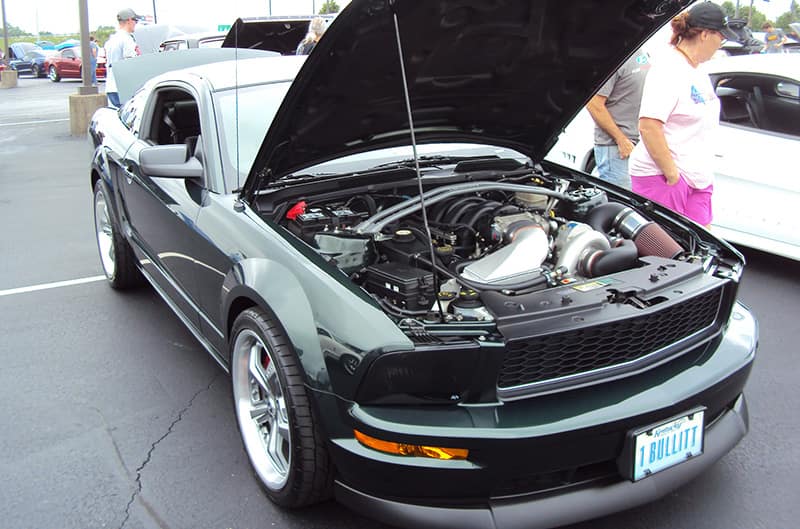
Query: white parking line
point(47, 286)
point(33, 122)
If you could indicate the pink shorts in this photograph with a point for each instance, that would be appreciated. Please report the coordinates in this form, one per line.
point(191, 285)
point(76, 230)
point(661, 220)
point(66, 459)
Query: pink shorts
point(683, 198)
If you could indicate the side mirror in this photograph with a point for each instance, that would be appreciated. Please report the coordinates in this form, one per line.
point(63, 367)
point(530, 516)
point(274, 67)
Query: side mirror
point(788, 89)
point(170, 161)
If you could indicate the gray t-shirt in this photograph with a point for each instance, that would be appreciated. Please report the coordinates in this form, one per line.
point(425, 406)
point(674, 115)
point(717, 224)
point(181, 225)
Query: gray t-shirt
point(624, 95)
point(773, 39)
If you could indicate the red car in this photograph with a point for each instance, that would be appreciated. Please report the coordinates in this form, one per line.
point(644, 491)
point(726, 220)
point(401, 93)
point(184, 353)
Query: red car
point(67, 64)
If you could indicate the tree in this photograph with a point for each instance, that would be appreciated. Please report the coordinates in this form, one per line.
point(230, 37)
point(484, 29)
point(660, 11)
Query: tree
point(14, 31)
point(330, 6)
point(793, 15)
point(757, 18)
point(102, 33)
point(785, 19)
point(729, 8)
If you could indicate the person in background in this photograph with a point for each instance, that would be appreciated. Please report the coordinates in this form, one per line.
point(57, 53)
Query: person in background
point(94, 50)
point(773, 38)
point(615, 110)
point(679, 114)
point(315, 30)
point(120, 46)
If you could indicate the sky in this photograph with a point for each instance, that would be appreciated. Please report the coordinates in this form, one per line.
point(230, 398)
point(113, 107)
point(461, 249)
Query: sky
point(62, 16)
point(57, 17)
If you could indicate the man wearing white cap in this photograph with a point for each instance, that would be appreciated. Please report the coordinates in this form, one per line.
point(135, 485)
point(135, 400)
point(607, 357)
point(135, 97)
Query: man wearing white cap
point(121, 45)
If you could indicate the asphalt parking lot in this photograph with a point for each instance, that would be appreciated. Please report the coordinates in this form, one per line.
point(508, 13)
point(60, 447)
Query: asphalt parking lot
point(114, 416)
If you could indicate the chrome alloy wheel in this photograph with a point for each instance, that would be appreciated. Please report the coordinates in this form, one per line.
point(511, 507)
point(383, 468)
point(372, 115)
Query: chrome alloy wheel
point(105, 235)
point(261, 409)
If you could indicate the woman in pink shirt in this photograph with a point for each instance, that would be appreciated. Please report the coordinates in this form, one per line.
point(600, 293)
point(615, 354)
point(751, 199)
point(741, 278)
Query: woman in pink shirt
point(672, 164)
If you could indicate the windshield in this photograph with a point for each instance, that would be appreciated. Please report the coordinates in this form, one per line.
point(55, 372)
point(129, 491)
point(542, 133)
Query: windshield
point(405, 154)
point(257, 106)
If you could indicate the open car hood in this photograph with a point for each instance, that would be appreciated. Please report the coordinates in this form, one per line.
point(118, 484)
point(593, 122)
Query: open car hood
point(509, 73)
point(280, 34)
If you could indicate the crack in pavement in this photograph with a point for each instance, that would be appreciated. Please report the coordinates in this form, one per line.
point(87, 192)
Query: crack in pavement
point(152, 449)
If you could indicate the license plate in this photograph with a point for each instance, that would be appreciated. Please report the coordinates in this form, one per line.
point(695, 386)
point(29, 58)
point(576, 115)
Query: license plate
point(667, 444)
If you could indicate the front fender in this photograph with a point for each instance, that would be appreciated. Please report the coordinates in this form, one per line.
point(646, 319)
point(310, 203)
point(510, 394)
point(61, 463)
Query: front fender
point(323, 318)
point(274, 287)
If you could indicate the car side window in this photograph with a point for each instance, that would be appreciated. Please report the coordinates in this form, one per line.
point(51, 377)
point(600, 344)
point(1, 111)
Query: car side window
point(131, 112)
point(759, 102)
point(175, 118)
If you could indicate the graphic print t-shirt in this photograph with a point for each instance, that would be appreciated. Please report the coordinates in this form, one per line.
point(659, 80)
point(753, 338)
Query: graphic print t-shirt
point(683, 99)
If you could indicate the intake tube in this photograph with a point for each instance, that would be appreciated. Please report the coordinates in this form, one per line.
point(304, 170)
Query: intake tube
point(616, 259)
point(649, 237)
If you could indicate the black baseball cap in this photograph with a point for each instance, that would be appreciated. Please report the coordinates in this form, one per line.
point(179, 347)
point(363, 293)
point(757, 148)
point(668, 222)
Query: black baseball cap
point(708, 15)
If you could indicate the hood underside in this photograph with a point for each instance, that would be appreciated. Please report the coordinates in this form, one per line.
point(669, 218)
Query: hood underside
point(503, 72)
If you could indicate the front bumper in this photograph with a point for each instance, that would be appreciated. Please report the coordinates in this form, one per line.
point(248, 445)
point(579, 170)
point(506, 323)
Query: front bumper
point(544, 461)
point(544, 511)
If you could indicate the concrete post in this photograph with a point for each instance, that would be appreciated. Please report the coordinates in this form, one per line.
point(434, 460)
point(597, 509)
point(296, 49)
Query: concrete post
point(81, 109)
point(8, 78)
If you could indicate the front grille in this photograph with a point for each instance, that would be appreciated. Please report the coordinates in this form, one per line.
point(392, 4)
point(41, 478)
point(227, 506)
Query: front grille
point(586, 350)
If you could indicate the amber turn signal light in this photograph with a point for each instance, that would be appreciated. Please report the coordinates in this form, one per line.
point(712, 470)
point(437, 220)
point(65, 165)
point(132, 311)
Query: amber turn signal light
point(402, 449)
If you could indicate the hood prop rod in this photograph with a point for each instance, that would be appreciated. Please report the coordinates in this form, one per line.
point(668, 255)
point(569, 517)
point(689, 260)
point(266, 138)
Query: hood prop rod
point(393, 3)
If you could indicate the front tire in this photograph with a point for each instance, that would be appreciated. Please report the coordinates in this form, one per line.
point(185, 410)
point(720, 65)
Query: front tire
point(35, 71)
point(116, 255)
point(276, 419)
point(53, 74)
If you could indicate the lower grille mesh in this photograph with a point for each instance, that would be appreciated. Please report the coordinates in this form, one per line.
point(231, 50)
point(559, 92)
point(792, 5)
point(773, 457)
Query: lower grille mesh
point(574, 352)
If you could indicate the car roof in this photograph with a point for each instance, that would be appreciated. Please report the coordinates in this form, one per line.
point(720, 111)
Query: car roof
point(197, 64)
point(242, 73)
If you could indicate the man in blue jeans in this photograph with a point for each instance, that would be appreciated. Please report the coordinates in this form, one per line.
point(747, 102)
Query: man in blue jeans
point(615, 110)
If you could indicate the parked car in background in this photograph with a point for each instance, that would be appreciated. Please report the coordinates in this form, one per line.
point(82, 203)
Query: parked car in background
point(67, 64)
point(45, 44)
point(194, 40)
point(757, 179)
point(461, 335)
point(757, 182)
point(18, 50)
point(150, 36)
point(69, 43)
point(33, 62)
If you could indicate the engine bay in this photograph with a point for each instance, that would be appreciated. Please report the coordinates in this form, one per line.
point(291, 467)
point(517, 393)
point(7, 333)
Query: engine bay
point(485, 238)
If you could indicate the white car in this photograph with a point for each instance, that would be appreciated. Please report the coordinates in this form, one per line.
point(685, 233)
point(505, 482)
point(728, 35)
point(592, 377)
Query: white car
point(757, 180)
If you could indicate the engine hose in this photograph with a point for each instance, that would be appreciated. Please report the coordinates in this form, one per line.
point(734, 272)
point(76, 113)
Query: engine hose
point(601, 217)
point(603, 262)
point(372, 206)
point(397, 311)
